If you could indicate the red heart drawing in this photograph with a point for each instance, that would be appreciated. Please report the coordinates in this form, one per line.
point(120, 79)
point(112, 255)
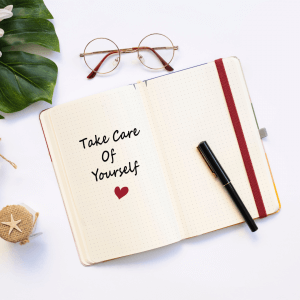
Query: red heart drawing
point(120, 193)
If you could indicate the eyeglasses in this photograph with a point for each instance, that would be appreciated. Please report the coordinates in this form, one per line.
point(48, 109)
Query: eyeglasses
point(157, 49)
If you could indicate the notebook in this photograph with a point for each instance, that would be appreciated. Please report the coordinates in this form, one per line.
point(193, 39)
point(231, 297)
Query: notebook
point(130, 174)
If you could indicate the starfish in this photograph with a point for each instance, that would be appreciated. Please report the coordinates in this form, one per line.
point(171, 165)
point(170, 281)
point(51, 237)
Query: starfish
point(13, 225)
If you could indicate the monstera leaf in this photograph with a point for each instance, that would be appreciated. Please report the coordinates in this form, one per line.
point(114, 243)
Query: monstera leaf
point(28, 31)
point(26, 78)
point(27, 9)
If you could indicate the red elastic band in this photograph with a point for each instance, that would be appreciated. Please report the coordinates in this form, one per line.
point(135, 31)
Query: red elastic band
point(241, 138)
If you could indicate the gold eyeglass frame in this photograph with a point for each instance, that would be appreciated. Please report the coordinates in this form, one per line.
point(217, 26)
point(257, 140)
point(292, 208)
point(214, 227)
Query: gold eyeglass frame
point(98, 52)
point(128, 50)
point(157, 48)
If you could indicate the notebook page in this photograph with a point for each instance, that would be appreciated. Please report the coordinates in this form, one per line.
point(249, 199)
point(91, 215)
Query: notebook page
point(187, 107)
point(63, 185)
point(143, 218)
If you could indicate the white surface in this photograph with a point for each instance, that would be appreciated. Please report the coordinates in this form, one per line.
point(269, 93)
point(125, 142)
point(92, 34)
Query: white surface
point(227, 264)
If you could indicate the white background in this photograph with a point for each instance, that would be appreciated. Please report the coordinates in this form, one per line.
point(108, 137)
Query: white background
point(228, 264)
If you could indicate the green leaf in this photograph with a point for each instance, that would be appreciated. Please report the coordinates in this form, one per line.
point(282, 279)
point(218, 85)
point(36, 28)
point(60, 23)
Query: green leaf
point(27, 8)
point(29, 31)
point(25, 79)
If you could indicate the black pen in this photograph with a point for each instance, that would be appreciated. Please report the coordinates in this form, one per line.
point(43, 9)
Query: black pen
point(218, 171)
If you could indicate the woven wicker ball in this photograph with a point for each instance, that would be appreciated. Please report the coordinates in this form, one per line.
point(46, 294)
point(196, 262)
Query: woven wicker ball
point(16, 213)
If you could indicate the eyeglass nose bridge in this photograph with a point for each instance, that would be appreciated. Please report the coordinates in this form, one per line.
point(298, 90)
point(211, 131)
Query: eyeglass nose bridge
point(129, 50)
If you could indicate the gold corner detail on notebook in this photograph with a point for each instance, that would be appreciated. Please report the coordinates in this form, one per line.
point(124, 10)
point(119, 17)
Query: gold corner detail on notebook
point(274, 187)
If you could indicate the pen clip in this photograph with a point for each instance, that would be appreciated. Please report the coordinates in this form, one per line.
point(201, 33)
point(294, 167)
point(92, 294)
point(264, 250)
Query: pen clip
point(208, 164)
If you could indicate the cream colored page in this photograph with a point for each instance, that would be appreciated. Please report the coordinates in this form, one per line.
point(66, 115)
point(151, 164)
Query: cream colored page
point(143, 219)
point(63, 185)
point(186, 108)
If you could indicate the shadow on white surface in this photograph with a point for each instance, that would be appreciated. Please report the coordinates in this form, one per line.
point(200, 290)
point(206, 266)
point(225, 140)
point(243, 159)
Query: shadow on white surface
point(29, 257)
point(167, 252)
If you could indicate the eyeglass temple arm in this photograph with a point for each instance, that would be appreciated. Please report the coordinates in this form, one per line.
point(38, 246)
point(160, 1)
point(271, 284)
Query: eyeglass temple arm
point(94, 72)
point(125, 50)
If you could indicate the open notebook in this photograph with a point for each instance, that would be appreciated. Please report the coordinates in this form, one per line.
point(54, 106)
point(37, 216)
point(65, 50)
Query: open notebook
point(141, 182)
